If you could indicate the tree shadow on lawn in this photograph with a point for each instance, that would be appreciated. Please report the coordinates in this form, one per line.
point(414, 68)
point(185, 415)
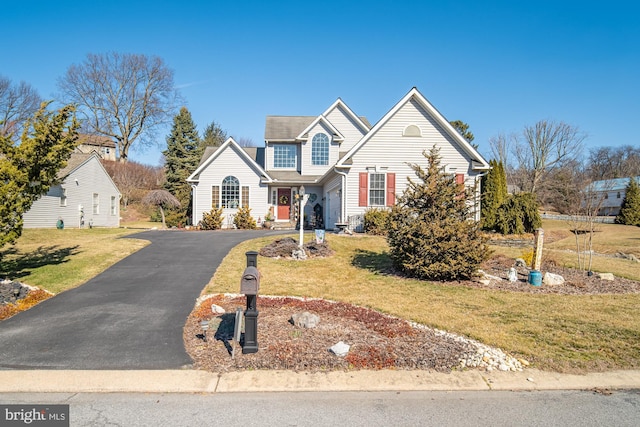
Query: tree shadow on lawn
point(15, 265)
point(376, 262)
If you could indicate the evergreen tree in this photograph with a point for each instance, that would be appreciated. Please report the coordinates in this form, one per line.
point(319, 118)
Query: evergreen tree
point(214, 136)
point(494, 194)
point(431, 235)
point(29, 169)
point(630, 209)
point(181, 159)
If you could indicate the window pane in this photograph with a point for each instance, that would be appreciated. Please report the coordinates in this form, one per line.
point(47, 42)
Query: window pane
point(113, 205)
point(376, 189)
point(320, 149)
point(230, 192)
point(215, 197)
point(284, 156)
point(245, 196)
point(96, 204)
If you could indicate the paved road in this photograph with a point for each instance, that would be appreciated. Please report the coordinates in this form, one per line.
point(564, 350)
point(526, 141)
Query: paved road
point(129, 317)
point(484, 408)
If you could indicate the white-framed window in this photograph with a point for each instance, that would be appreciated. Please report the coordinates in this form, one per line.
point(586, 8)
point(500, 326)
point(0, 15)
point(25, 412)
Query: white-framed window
point(215, 197)
point(63, 197)
point(285, 156)
point(230, 192)
point(412, 130)
point(114, 205)
point(377, 189)
point(320, 150)
point(96, 204)
point(245, 196)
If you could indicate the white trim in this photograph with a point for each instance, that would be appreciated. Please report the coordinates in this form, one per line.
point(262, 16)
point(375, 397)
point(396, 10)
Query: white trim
point(340, 102)
point(244, 154)
point(477, 159)
point(336, 135)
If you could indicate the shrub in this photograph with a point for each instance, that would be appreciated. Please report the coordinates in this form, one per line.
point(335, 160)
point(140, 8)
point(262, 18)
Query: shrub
point(243, 219)
point(376, 221)
point(430, 233)
point(211, 220)
point(518, 215)
point(630, 209)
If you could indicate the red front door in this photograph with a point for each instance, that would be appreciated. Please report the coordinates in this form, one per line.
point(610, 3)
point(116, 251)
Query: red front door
point(284, 203)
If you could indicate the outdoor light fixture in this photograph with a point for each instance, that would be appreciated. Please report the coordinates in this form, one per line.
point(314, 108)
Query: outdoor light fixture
point(204, 325)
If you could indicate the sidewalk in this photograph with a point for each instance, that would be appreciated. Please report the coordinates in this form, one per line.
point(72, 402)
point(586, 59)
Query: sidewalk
point(191, 381)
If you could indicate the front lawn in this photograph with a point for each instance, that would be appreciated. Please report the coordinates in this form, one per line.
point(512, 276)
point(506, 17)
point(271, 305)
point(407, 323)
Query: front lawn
point(569, 333)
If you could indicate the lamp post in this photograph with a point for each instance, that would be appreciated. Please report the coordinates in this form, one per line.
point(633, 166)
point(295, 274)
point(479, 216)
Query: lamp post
point(301, 197)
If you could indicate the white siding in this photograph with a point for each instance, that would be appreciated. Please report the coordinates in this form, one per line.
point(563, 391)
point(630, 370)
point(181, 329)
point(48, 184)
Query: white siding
point(229, 162)
point(307, 167)
point(347, 127)
point(389, 151)
point(91, 178)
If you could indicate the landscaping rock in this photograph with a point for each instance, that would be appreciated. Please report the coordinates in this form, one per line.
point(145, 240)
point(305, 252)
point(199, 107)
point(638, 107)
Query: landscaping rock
point(520, 262)
point(551, 279)
point(340, 349)
point(216, 309)
point(305, 320)
point(513, 275)
point(10, 291)
point(299, 254)
point(606, 276)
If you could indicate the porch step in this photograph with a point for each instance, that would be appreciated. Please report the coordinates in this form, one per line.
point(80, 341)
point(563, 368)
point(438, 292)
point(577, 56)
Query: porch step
point(283, 225)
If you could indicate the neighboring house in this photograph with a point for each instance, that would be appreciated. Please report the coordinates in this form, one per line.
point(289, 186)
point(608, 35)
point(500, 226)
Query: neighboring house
point(103, 145)
point(609, 194)
point(346, 165)
point(86, 196)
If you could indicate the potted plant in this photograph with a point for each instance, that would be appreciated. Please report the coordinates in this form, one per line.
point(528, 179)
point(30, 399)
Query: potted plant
point(268, 219)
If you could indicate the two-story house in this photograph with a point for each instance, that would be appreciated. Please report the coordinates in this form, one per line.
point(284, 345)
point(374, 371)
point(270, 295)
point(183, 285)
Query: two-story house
point(345, 165)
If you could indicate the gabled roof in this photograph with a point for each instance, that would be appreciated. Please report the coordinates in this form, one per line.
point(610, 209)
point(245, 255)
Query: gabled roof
point(362, 122)
point(77, 160)
point(337, 136)
point(96, 140)
point(285, 128)
point(617, 184)
point(211, 153)
point(478, 162)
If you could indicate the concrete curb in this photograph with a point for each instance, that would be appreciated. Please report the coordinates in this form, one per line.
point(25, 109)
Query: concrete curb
point(192, 381)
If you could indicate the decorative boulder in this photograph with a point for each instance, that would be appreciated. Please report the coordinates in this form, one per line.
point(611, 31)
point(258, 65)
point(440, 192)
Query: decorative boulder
point(340, 349)
point(216, 309)
point(551, 279)
point(520, 263)
point(305, 320)
point(606, 276)
point(299, 254)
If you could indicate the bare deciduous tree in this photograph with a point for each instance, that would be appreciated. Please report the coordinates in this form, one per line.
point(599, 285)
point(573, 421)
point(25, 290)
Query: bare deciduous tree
point(122, 96)
point(18, 102)
point(133, 179)
point(546, 145)
point(614, 162)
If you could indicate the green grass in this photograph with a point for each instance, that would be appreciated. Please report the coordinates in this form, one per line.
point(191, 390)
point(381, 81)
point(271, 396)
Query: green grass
point(556, 332)
point(57, 260)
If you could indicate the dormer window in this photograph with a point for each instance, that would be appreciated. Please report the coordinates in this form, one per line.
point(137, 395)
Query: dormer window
point(412, 130)
point(320, 150)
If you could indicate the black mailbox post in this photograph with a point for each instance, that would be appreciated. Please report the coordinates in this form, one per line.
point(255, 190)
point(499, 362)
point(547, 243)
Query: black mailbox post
point(249, 286)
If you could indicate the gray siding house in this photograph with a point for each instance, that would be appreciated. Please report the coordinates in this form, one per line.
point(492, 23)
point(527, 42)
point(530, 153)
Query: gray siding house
point(86, 196)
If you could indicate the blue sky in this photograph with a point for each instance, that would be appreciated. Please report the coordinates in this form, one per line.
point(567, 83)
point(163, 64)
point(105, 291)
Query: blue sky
point(496, 65)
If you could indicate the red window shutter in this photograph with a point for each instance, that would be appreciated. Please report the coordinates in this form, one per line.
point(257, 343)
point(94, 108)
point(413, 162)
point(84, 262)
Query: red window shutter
point(363, 190)
point(460, 181)
point(391, 189)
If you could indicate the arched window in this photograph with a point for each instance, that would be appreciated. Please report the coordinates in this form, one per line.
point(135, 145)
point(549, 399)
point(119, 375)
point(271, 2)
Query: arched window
point(230, 192)
point(320, 150)
point(412, 130)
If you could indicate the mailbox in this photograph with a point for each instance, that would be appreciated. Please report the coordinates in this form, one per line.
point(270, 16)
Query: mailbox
point(250, 281)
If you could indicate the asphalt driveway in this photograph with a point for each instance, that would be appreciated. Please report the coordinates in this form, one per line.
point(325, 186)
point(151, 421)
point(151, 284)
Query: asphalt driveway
point(129, 317)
